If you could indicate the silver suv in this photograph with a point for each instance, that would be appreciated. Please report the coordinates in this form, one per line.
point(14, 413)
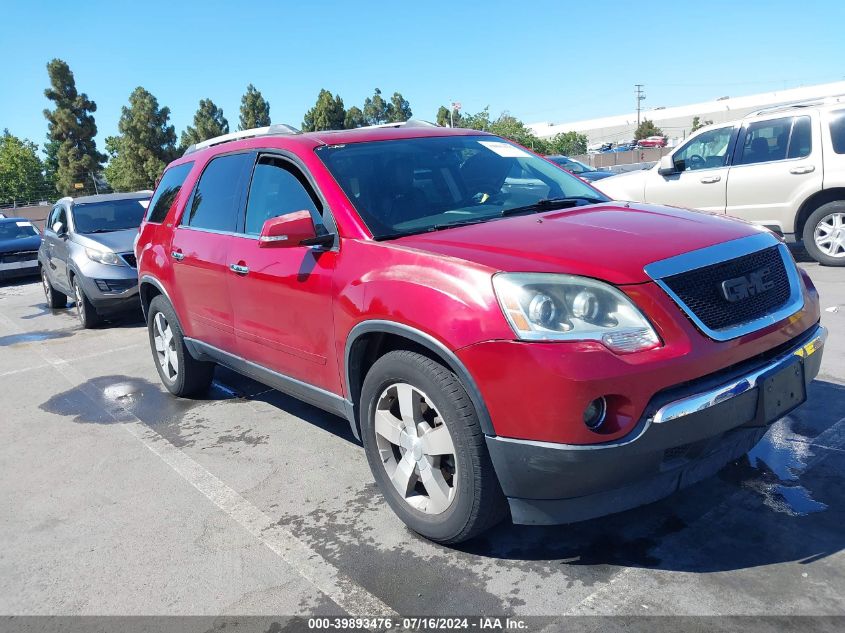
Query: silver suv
point(782, 167)
point(86, 253)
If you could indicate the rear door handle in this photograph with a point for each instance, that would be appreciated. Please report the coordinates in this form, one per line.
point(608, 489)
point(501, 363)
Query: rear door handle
point(237, 268)
point(803, 169)
point(177, 255)
point(709, 180)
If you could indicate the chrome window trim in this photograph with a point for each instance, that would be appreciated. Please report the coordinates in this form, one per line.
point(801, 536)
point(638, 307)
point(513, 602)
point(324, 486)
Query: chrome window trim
point(720, 253)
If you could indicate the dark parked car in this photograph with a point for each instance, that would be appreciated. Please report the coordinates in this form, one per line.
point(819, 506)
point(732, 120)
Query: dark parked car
point(584, 172)
point(87, 254)
point(19, 242)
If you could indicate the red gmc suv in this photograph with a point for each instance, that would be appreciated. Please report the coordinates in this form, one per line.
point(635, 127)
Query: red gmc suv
point(497, 332)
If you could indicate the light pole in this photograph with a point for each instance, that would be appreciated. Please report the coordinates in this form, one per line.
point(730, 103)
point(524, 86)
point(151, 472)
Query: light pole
point(456, 105)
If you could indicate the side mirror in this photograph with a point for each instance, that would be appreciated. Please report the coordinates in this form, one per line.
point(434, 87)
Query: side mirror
point(59, 229)
point(291, 229)
point(666, 166)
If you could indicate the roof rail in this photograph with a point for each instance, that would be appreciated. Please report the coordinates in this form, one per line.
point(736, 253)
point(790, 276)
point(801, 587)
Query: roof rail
point(808, 103)
point(276, 128)
point(408, 123)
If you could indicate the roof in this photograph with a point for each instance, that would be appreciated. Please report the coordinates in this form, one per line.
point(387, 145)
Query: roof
point(107, 197)
point(310, 140)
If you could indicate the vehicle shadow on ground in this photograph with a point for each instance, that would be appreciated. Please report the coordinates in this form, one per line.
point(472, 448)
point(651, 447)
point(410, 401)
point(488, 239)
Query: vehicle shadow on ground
point(782, 502)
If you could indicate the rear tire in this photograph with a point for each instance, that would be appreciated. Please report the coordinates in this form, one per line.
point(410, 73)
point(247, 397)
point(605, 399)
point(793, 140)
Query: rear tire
point(180, 372)
point(824, 234)
point(85, 310)
point(54, 298)
point(442, 485)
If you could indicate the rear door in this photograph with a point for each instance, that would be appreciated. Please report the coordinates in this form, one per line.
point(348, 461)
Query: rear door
point(282, 297)
point(777, 164)
point(702, 176)
point(200, 247)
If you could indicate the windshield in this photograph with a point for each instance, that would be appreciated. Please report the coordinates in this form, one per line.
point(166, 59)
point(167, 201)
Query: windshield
point(406, 186)
point(111, 215)
point(17, 230)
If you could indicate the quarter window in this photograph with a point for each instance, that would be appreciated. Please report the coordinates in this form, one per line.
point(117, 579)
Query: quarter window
point(278, 188)
point(214, 205)
point(706, 151)
point(167, 190)
point(837, 131)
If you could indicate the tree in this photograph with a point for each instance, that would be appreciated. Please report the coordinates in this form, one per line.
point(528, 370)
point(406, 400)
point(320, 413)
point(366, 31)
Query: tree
point(697, 124)
point(477, 121)
point(512, 128)
point(21, 171)
point(376, 109)
point(399, 109)
point(354, 118)
point(327, 114)
point(208, 123)
point(568, 143)
point(70, 130)
point(255, 110)
point(145, 145)
point(446, 118)
point(647, 128)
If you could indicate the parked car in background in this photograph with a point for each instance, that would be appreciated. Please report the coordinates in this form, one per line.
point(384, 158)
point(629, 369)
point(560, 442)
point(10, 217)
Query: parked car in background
point(584, 172)
point(652, 141)
point(87, 254)
point(781, 167)
point(19, 243)
point(543, 347)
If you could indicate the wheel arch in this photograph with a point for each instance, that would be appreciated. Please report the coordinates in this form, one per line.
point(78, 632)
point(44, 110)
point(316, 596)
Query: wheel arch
point(149, 288)
point(814, 202)
point(370, 340)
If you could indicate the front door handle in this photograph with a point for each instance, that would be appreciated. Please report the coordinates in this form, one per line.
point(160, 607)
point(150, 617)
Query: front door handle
point(709, 180)
point(237, 268)
point(177, 255)
point(803, 169)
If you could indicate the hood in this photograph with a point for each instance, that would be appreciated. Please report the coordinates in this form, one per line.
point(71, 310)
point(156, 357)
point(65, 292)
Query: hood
point(629, 185)
point(592, 176)
point(20, 244)
point(116, 241)
point(611, 241)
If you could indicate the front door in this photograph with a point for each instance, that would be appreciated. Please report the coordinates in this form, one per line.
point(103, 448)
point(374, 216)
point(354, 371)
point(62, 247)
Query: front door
point(200, 248)
point(56, 250)
point(282, 296)
point(702, 176)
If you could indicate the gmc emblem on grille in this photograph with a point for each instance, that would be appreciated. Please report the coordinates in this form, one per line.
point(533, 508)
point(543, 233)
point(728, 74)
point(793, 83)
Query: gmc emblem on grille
point(748, 285)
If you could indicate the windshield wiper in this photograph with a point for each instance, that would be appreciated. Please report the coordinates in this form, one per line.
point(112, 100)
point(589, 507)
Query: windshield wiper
point(549, 204)
point(101, 231)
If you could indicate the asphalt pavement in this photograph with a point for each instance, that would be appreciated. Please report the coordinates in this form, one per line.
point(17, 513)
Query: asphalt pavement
point(120, 499)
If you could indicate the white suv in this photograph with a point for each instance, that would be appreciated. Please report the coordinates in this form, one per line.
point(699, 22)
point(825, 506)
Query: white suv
point(782, 167)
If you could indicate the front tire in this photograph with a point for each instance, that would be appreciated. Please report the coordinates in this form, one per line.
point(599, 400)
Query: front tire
point(54, 298)
point(824, 234)
point(180, 372)
point(85, 310)
point(426, 448)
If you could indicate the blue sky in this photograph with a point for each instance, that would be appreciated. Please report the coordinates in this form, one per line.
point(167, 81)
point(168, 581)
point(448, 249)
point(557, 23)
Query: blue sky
point(542, 61)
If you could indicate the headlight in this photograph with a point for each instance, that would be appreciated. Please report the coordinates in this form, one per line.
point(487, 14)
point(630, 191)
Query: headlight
point(103, 257)
point(549, 307)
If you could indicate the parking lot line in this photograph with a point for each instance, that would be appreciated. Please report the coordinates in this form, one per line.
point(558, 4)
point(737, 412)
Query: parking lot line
point(304, 560)
point(112, 350)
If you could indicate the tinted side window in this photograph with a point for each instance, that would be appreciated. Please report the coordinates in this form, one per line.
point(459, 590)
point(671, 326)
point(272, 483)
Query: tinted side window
point(278, 188)
point(51, 219)
point(765, 141)
point(214, 205)
point(61, 216)
point(166, 192)
point(837, 131)
point(801, 139)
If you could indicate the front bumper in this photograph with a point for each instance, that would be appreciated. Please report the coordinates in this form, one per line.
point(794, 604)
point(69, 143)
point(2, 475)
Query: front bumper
point(110, 288)
point(687, 433)
point(18, 268)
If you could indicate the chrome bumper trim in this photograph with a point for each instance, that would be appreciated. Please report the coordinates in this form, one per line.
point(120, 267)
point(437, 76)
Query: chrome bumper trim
point(707, 399)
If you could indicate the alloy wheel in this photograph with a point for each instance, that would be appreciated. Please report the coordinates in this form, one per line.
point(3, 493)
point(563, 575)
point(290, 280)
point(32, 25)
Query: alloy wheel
point(829, 234)
point(165, 344)
point(80, 302)
point(416, 448)
point(48, 291)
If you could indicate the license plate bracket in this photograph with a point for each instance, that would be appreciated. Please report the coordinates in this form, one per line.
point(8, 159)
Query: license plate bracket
point(781, 390)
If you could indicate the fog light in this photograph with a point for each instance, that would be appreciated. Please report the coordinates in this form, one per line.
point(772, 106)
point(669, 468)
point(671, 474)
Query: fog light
point(595, 413)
